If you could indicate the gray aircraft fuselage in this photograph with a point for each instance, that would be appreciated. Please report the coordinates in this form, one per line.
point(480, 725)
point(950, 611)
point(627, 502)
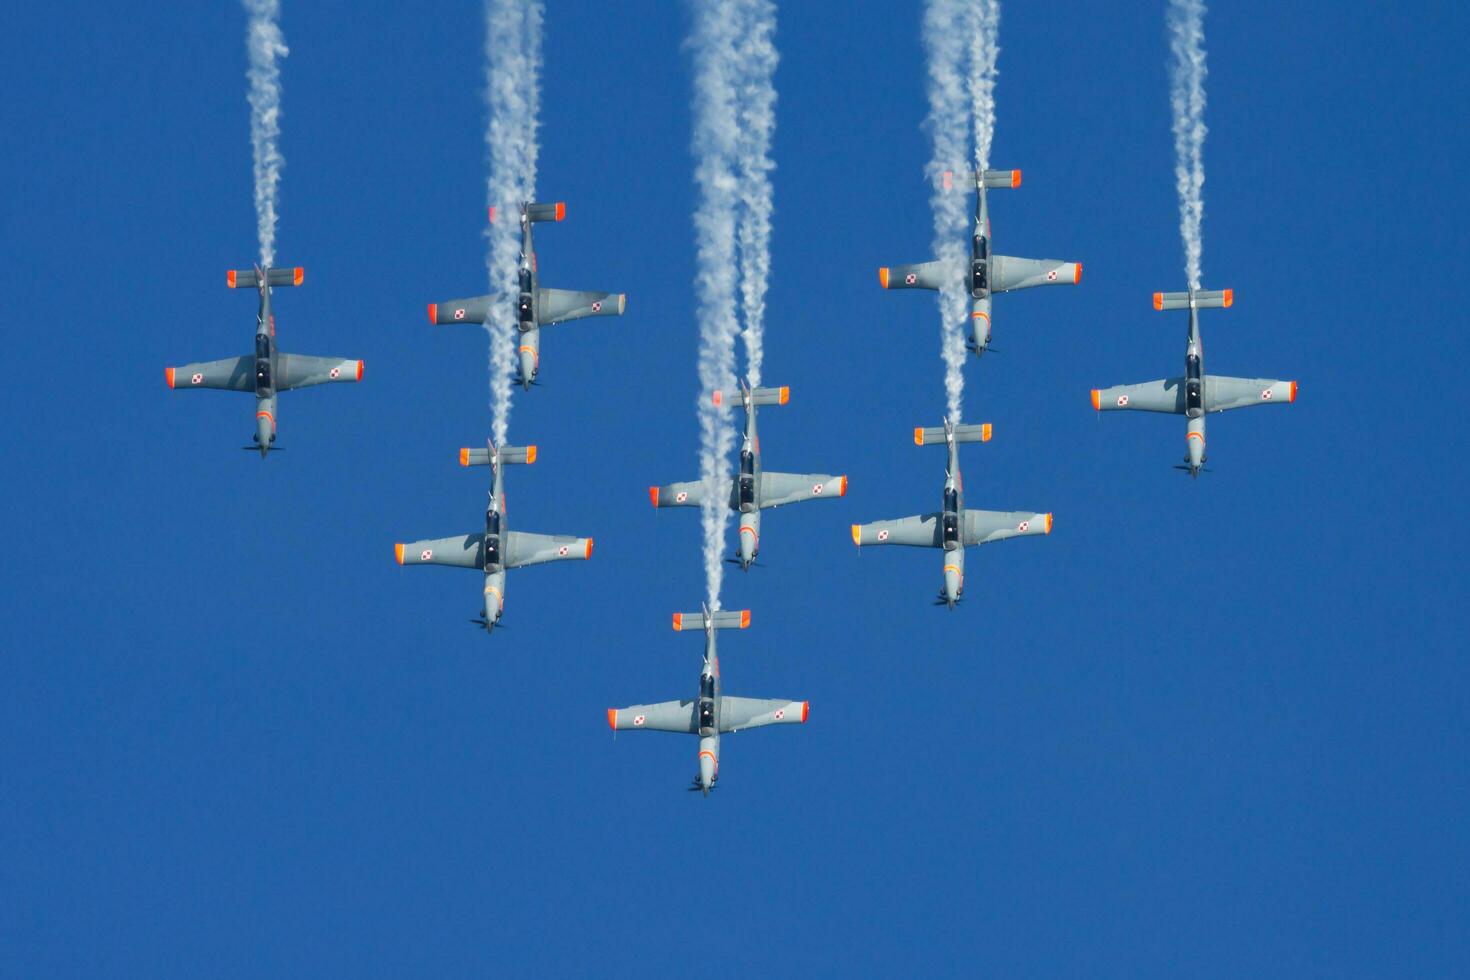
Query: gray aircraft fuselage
point(265, 372)
point(496, 528)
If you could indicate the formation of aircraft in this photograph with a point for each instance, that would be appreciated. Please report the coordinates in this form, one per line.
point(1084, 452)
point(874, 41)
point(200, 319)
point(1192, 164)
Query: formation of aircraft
point(988, 273)
point(712, 713)
point(267, 372)
point(536, 306)
point(753, 490)
point(496, 549)
point(953, 528)
point(1196, 394)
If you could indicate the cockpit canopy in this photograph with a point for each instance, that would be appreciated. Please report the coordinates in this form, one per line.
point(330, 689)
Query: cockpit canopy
point(951, 517)
point(707, 685)
point(527, 309)
point(525, 280)
point(979, 278)
point(262, 374)
point(745, 485)
point(981, 250)
point(262, 346)
point(492, 550)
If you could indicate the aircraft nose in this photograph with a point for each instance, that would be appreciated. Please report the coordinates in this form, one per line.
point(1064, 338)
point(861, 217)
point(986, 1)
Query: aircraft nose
point(706, 770)
point(528, 367)
point(953, 582)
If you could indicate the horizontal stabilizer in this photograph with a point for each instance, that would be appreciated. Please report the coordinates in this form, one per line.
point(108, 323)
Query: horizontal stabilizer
point(731, 619)
point(962, 433)
point(1204, 299)
point(249, 279)
point(546, 212)
point(760, 396)
point(506, 454)
point(471, 309)
point(990, 178)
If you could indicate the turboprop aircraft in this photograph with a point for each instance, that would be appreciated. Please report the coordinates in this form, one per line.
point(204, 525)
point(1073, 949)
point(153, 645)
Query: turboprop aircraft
point(536, 307)
point(1196, 394)
point(496, 549)
point(953, 528)
point(712, 713)
point(753, 490)
point(987, 273)
point(268, 372)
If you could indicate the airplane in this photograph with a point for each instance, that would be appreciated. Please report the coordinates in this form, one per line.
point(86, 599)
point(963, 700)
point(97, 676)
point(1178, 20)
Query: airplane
point(753, 490)
point(988, 273)
point(497, 548)
point(712, 713)
point(268, 372)
point(954, 528)
point(536, 307)
point(1196, 394)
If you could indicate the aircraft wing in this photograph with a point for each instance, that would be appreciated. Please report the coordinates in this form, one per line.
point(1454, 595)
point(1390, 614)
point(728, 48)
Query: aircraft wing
point(1223, 394)
point(522, 549)
point(1008, 273)
point(302, 371)
point(1151, 396)
point(791, 488)
point(561, 305)
point(230, 374)
point(918, 532)
point(924, 275)
point(741, 713)
point(984, 526)
point(689, 494)
point(461, 551)
point(669, 716)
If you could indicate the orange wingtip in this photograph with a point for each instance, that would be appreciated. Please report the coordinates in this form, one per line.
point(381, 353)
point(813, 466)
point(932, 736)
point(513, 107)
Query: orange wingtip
point(744, 618)
point(168, 375)
point(718, 397)
point(806, 710)
point(589, 549)
point(882, 276)
point(230, 278)
point(857, 535)
point(1076, 273)
point(1229, 297)
point(918, 435)
point(785, 394)
point(1158, 301)
point(1015, 178)
point(612, 718)
point(433, 312)
point(398, 553)
point(1291, 397)
point(653, 495)
point(561, 210)
point(948, 179)
point(1048, 523)
point(530, 454)
point(678, 621)
point(842, 486)
point(359, 370)
point(491, 211)
point(464, 457)
point(1097, 399)
point(985, 432)
point(298, 274)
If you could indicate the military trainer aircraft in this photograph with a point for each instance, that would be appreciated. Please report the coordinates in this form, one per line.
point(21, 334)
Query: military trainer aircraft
point(712, 713)
point(954, 527)
point(497, 548)
point(988, 273)
point(753, 490)
point(1197, 393)
point(536, 307)
point(268, 372)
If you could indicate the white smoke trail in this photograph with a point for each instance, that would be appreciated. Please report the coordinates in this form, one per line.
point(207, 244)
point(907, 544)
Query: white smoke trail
point(756, 56)
point(512, 95)
point(265, 44)
point(1186, 21)
point(984, 33)
point(715, 139)
point(949, 128)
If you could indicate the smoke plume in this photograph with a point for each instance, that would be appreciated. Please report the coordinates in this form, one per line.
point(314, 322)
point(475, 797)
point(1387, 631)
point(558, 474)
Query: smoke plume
point(1186, 21)
point(265, 44)
point(756, 93)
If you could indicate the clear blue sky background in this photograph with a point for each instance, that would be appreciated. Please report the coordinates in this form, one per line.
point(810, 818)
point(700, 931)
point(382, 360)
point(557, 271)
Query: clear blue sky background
point(1211, 728)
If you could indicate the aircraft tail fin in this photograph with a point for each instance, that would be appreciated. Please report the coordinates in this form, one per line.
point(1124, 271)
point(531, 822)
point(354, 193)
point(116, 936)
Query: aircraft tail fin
point(1204, 299)
point(962, 433)
point(725, 619)
point(989, 178)
point(759, 396)
point(538, 212)
point(254, 278)
point(505, 454)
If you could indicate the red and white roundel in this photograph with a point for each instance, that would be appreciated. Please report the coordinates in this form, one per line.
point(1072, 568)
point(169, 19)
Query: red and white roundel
point(910, 278)
point(597, 306)
point(428, 553)
point(1122, 400)
point(680, 497)
point(562, 551)
point(1051, 276)
point(639, 719)
point(334, 373)
point(459, 314)
point(1023, 527)
point(1266, 395)
point(197, 379)
point(780, 713)
point(817, 489)
point(883, 534)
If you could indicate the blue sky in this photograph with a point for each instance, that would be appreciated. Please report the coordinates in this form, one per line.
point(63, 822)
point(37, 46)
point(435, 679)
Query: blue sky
point(1210, 728)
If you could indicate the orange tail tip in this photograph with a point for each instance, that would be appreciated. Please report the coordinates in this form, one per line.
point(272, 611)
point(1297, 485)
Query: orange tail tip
point(948, 179)
point(433, 312)
point(398, 553)
point(530, 455)
point(1229, 297)
point(491, 211)
point(1291, 397)
point(718, 398)
point(985, 432)
point(882, 276)
point(1048, 523)
point(653, 495)
point(842, 486)
point(785, 394)
point(1015, 178)
point(230, 278)
point(612, 718)
point(464, 457)
point(168, 375)
point(1158, 301)
point(806, 709)
point(1097, 399)
point(561, 210)
point(1076, 273)
point(678, 621)
point(589, 549)
point(298, 275)
point(744, 618)
point(359, 370)
point(918, 435)
point(857, 535)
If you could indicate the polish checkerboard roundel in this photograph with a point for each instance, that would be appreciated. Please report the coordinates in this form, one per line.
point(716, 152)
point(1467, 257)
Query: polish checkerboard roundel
point(681, 496)
point(197, 379)
point(459, 314)
point(910, 278)
point(562, 551)
point(817, 489)
point(1051, 276)
point(428, 553)
point(883, 534)
point(780, 713)
point(1122, 400)
point(639, 719)
point(1023, 527)
point(1266, 394)
point(335, 373)
point(597, 306)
